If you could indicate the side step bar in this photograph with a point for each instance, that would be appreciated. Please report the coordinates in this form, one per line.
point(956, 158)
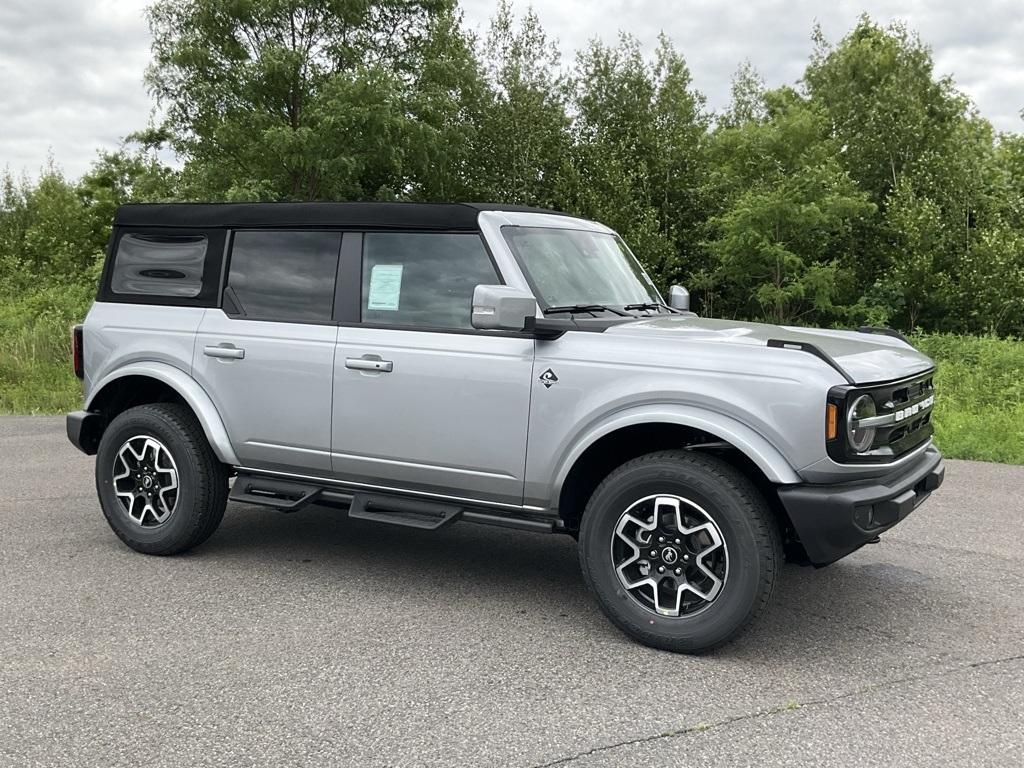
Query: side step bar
point(412, 513)
point(288, 496)
point(279, 494)
point(429, 515)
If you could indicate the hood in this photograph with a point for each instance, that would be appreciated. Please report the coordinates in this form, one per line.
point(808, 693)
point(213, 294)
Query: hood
point(865, 358)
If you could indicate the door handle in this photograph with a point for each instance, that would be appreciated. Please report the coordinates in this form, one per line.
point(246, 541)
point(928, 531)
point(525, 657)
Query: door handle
point(230, 353)
point(364, 364)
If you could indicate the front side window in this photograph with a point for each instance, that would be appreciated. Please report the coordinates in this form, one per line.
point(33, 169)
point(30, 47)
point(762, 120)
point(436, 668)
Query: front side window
point(423, 280)
point(286, 276)
point(159, 265)
point(568, 267)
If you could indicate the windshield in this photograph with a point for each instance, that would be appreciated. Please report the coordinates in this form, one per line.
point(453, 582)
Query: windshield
point(571, 266)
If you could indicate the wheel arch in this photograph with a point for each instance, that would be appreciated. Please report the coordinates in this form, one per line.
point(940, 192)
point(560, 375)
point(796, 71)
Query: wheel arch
point(636, 432)
point(144, 383)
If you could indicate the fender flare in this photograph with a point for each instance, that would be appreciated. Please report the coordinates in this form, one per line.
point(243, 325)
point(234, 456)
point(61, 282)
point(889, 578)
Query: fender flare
point(194, 395)
point(748, 441)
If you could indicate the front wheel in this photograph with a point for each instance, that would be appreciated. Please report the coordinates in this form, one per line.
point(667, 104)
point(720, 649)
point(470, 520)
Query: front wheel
point(680, 550)
point(161, 487)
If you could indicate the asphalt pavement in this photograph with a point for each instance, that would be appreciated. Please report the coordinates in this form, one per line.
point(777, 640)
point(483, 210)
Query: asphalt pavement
point(314, 640)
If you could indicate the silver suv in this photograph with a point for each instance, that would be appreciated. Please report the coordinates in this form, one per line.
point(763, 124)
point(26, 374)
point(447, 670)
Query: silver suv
point(421, 364)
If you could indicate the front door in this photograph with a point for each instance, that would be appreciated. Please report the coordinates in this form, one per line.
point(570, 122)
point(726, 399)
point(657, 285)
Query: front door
point(422, 401)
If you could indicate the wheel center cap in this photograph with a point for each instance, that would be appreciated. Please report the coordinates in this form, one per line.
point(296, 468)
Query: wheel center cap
point(669, 555)
point(147, 482)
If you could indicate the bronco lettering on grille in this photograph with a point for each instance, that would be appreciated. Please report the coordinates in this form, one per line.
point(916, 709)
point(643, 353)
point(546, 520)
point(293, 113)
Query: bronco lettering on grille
point(913, 410)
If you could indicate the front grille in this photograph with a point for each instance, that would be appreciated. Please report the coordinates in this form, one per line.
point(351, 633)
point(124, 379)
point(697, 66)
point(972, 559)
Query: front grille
point(910, 403)
point(903, 419)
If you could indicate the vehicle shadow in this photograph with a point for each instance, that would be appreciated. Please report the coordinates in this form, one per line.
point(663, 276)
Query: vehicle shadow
point(462, 557)
point(846, 610)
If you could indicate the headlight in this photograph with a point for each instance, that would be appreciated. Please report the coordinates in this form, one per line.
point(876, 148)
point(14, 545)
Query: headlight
point(859, 437)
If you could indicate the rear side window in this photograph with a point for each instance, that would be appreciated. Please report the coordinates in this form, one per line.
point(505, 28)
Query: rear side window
point(159, 265)
point(423, 280)
point(286, 276)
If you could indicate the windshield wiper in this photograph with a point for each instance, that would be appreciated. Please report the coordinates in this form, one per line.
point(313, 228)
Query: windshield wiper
point(658, 307)
point(592, 308)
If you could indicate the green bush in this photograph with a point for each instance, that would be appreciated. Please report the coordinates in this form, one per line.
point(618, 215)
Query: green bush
point(979, 411)
point(35, 350)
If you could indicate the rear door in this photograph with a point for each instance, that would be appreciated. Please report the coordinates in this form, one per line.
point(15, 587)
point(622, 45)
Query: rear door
point(266, 357)
point(422, 401)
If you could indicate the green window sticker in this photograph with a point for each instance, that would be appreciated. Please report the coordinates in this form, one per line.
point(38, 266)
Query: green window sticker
point(385, 286)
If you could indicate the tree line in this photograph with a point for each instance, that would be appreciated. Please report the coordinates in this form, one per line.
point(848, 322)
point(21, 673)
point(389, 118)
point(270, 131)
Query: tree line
point(870, 192)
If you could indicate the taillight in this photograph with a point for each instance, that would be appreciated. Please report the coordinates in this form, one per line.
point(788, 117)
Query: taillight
point(77, 351)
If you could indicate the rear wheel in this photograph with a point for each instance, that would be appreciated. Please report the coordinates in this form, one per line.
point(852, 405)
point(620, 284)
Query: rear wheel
point(680, 550)
point(161, 487)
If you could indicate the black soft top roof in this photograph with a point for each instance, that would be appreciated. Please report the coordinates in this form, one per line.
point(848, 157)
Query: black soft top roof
point(438, 216)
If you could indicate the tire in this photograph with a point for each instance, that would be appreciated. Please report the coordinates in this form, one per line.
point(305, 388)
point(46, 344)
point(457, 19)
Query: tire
point(176, 499)
point(719, 566)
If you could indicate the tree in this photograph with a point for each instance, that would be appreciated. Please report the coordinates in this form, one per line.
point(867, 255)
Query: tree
point(296, 99)
point(748, 98)
point(447, 98)
point(919, 151)
point(45, 234)
point(126, 175)
point(891, 114)
point(638, 157)
point(788, 215)
point(523, 141)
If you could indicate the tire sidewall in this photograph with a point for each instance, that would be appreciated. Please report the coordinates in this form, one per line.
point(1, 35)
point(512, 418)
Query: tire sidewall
point(691, 480)
point(147, 422)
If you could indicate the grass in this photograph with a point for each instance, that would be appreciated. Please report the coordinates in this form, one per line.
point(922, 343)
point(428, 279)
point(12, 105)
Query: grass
point(35, 369)
point(979, 411)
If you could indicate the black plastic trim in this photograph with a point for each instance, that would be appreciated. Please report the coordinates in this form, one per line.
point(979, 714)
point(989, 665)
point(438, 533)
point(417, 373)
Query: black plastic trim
point(884, 332)
point(348, 285)
point(549, 330)
point(84, 430)
point(804, 346)
point(231, 304)
point(832, 520)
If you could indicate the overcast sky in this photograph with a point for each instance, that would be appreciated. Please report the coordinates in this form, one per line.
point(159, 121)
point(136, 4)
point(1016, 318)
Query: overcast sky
point(71, 70)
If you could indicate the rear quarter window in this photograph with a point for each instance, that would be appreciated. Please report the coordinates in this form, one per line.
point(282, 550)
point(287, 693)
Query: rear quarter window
point(159, 265)
point(178, 267)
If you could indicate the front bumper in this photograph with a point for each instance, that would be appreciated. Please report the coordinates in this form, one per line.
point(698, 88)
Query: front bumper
point(84, 431)
point(834, 520)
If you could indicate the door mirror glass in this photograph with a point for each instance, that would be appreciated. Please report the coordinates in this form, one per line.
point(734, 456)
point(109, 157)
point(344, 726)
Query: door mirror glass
point(502, 308)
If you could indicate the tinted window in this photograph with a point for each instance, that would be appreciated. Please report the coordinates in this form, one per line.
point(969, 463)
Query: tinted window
point(285, 275)
point(423, 280)
point(159, 265)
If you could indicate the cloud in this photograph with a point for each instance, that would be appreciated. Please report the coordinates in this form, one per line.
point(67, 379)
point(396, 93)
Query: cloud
point(72, 75)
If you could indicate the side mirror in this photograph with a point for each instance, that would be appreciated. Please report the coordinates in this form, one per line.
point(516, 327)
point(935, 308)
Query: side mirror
point(679, 298)
point(502, 308)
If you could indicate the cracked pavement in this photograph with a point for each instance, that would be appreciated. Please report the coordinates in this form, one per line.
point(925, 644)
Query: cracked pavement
point(311, 639)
